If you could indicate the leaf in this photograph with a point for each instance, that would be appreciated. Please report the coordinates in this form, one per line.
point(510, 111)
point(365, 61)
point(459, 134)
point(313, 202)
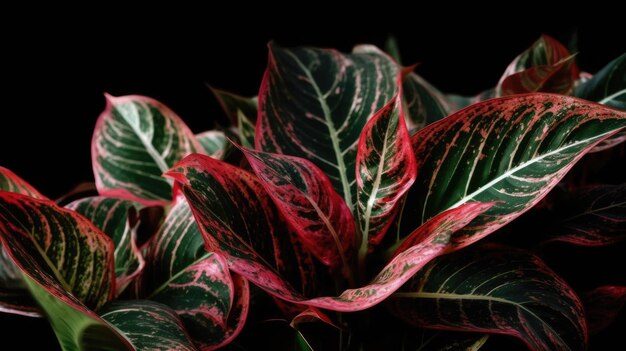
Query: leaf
point(608, 86)
point(385, 172)
point(547, 66)
point(603, 305)
point(495, 290)
point(424, 103)
point(227, 201)
point(117, 218)
point(392, 48)
point(136, 139)
point(181, 274)
point(592, 216)
point(313, 103)
point(45, 240)
point(306, 198)
point(213, 142)
point(439, 340)
point(14, 296)
point(148, 325)
point(509, 150)
point(242, 112)
point(246, 130)
point(457, 102)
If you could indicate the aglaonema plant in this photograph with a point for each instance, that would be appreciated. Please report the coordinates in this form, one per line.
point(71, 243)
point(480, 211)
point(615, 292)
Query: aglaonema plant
point(347, 197)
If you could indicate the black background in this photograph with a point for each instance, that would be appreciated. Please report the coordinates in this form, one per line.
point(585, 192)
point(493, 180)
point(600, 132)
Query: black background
point(55, 72)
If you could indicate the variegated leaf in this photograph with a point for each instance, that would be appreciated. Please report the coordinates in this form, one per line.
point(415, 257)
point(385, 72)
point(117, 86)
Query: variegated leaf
point(424, 103)
point(592, 216)
point(136, 139)
point(44, 239)
point(547, 66)
point(14, 297)
point(603, 305)
point(306, 198)
point(242, 112)
point(213, 142)
point(148, 325)
point(118, 219)
point(510, 150)
point(385, 171)
point(212, 304)
point(313, 104)
point(227, 203)
point(608, 86)
point(495, 290)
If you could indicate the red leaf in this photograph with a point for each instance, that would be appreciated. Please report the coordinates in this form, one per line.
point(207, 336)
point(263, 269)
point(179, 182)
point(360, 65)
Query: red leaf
point(9, 181)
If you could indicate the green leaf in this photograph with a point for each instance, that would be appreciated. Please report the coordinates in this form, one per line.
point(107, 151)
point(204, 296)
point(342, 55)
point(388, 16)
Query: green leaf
point(496, 290)
point(14, 296)
point(313, 104)
point(438, 340)
point(149, 325)
point(424, 103)
point(213, 143)
point(117, 218)
point(385, 172)
point(608, 86)
point(392, 48)
point(510, 150)
point(242, 112)
point(180, 273)
point(136, 139)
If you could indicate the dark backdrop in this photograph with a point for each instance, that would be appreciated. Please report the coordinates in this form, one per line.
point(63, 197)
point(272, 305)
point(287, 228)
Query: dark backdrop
point(56, 71)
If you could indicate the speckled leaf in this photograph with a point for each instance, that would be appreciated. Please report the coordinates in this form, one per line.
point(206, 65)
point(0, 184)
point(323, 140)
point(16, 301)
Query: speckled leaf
point(212, 304)
point(117, 218)
point(44, 239)
point(592, 216)
point(495, 290)
point(313, 103)
point(14, 297)
point(227, 201)
point(510, 150)
point(547, 66)
point(136, 139)
point(385, 171)
point(424, 103)
point(608, 86)
point(149, 325)
point(603, 305)
point(306, 198)
point(213, 143)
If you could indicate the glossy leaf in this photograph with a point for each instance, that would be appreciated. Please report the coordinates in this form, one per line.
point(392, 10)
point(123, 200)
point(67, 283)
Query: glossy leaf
point(424, 103)
point(212, 304)
point(385, 171)
point(603, 305)
point(136, 139)
point(306, 198)
point(226, 202)
point(213, 143)
point(510, 150)
point(495, 290)
point(45, 240)
point(117, 218)
point(608, 86)
point(14, 297)
point(313, 104)
point(592, 216)
point(547, 66)
point(148, 325)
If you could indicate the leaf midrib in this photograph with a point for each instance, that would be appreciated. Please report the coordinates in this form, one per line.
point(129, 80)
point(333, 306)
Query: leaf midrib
point(146, 143)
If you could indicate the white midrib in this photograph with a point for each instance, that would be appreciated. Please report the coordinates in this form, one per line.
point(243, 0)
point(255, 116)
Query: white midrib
point(160, 162)
point(612, 96)
point(332, 131)
point(178, 274)
point(521, 166)
point(444, 296)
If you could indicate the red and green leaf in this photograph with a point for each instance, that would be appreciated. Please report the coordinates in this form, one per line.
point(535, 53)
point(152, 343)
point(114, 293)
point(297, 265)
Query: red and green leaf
point(118, 219)
point(547, 66)
point(313, 103)
point(213, 143)
point(424, 103)
point(231, 207)
point(14, 296)
point(592, 216)
point(603, 305)
point(495, 290)
point(148, 325)
point(242, 112)
point(385, 171)
point(509, 150)
point(306, 198)
point(136, 139)
point(181, 274)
